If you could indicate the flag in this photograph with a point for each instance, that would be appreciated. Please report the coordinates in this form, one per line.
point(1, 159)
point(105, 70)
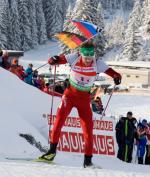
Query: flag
point(88, 29)
point(72, 40)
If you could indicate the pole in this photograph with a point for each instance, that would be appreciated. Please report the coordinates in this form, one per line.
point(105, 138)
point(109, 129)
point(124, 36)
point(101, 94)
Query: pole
point(51, 112)
point(108, 102)
point(41, 66)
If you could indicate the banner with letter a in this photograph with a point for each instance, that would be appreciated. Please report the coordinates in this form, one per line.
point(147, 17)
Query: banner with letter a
point(71, 139)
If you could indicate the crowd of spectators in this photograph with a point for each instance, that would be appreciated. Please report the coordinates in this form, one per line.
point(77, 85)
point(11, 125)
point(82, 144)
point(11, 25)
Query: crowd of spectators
point(31, 76)
point(131, 134)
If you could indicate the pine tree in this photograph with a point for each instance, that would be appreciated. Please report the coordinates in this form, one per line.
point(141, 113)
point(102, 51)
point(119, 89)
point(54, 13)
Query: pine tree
point(100, 40)
point(4, 25)
point(69, 11)
point(60, 15)
point(15, 26)
point(49, 7)
point(115, 32)
point(55, 12)
point(32, 20)
point(146, 16)
point(25, 25)
point(148, 55)
point(41, 24)
point(132, 43)
point(127, 4)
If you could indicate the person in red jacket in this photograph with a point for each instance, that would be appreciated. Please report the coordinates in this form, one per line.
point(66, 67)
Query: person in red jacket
point(17, 69)
point(84, 68)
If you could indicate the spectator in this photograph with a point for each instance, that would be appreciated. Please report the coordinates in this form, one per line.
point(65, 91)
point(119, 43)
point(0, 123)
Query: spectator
point(29, 74)
point(5, 61)
point(147, 157)
point(125, 134)
point(62, 85)
point(66, 83)
point(34, 79)
point(97, 105)
point(17, 69)
point(50, 91)
point(94, 107)
point(142, 140)
point(59, 88)
point(46, 89)
point(40, 82)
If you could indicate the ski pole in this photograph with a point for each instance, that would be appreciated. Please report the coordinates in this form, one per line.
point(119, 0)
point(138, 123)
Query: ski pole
point(40, 66)
point(51, 113)
point(108, 102)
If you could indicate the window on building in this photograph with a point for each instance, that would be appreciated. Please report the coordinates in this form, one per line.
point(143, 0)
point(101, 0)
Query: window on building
point(128, 75)
point(137, 76)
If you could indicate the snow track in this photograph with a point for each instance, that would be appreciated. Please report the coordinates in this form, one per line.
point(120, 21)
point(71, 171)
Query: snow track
point(31, 169)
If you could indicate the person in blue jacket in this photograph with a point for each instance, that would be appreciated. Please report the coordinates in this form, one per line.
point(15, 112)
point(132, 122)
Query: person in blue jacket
point(29, 74)
point(142, 140)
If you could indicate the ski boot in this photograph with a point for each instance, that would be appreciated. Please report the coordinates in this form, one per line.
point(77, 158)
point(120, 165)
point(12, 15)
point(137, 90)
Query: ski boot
point(88, 162)
point(50, 155)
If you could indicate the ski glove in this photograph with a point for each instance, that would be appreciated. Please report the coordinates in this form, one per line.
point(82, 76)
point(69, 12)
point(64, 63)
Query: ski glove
point(117, 79)
point(53, 60)
point(116, 76)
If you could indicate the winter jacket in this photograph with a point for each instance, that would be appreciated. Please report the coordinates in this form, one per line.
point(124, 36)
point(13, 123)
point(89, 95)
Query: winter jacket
point(17, 70)
point(142, 138)
point(29, 74)
point(125, 131)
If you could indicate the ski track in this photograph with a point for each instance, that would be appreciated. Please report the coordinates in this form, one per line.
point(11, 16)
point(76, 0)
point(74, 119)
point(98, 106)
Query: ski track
point(17, 169)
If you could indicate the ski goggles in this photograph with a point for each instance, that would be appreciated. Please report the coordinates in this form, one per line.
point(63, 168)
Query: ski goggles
point(87, 52)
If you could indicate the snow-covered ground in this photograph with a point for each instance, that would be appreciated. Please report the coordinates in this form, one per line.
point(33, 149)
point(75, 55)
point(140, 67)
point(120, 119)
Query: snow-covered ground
point(21, 110)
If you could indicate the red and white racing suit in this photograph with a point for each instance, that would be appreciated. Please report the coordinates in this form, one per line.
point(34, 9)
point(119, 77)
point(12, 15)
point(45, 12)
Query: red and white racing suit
point(77, 95)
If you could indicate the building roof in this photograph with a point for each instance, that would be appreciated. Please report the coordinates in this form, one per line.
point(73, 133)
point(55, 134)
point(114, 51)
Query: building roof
point(130, 64)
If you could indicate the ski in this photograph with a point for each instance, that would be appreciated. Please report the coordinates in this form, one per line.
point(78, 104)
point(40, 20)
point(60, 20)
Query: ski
point(19, 158)
point(39, 160)
point(43, 160)
point(30, 160)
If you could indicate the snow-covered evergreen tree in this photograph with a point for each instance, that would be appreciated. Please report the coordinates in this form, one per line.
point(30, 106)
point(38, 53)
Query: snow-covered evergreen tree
point(54, 12)
point(127, 4)
point(69, 11)
point(15, 26)
point(4, 25)
point(49, 7)
point(25, 26)
point(115, 32)
point(146, 18)
point(100, 40)
point(147, 56)
point(132, 46)
point(132, 43)
point(60, 14)
point(32, 21)
point(41, 24)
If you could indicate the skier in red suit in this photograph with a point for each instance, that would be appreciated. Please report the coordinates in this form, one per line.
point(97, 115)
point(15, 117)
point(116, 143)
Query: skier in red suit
point(84, 68)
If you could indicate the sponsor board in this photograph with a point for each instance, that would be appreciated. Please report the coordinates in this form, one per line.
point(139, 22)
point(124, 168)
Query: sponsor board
point(72, 140)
